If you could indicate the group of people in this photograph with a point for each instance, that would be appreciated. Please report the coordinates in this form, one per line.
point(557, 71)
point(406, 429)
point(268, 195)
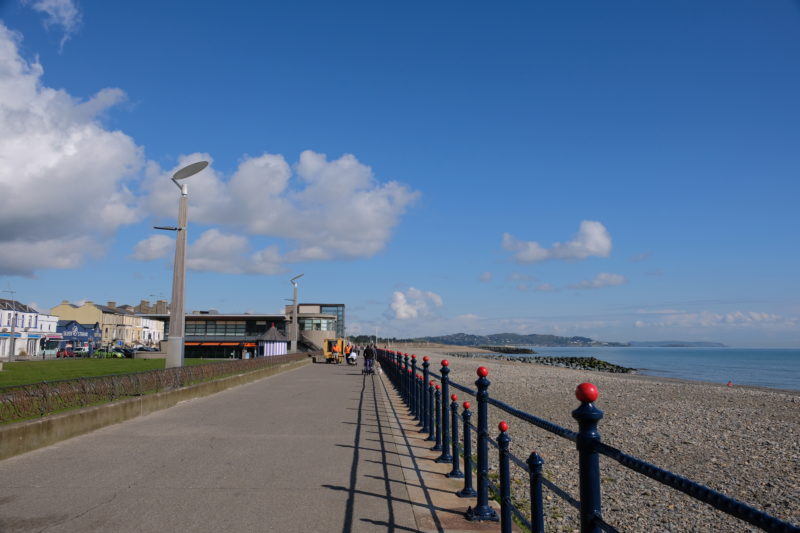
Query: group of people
point(369, 352)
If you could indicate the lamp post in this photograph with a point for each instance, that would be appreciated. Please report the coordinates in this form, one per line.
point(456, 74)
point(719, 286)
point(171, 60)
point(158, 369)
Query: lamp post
point(295, 325)
point(13, 339)
point(177, 316)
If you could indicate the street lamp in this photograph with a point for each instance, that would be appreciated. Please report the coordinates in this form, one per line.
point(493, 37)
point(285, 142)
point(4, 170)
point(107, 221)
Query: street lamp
point(176, 315)
point(295, 325)
point(13, 340)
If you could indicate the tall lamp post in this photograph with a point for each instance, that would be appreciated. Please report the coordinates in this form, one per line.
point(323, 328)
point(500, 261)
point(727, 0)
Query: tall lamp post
point(295, 325)
point(177, 316)
point(12, 342)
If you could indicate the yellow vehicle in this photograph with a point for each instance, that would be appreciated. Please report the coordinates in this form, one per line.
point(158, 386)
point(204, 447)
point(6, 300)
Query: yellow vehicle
point(334, 350)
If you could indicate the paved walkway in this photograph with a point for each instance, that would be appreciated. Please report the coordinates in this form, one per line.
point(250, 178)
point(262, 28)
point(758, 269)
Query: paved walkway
point(318, 448)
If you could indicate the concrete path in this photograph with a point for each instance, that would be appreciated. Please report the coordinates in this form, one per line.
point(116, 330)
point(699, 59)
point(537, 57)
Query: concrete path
point(319, 448)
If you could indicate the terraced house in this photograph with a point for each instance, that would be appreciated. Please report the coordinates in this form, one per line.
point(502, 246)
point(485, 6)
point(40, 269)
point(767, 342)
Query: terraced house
point(119, 325)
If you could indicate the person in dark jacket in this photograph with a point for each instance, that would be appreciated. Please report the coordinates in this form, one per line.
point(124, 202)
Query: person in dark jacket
point(370, 353)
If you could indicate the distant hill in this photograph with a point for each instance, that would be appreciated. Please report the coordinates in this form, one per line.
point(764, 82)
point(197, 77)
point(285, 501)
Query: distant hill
point(676, 344)
point(504, 339)
point(515, 339)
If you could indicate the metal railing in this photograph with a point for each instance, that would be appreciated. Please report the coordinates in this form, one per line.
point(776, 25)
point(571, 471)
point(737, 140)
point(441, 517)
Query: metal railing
point(427, 402)
point(47, 397)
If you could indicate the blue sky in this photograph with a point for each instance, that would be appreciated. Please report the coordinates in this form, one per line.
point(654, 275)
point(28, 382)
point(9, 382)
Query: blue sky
point(617, 170)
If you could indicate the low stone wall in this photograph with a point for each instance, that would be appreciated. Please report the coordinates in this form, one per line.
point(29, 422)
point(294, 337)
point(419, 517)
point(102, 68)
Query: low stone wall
point(26, 436)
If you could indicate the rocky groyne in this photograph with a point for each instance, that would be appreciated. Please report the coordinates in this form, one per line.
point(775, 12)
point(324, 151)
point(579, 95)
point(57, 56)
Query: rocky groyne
point(575, 363)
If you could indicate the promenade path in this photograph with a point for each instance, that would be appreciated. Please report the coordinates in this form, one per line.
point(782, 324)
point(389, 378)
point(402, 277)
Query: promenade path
point(318, 448)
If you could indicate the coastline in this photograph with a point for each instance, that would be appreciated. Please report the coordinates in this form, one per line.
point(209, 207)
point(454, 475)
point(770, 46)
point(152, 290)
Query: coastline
point(743, 441)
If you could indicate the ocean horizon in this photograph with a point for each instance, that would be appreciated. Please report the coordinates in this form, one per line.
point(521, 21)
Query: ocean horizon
point(775, 368)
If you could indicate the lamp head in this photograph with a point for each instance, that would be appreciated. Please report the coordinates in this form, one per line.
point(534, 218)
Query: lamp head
point(187, 171)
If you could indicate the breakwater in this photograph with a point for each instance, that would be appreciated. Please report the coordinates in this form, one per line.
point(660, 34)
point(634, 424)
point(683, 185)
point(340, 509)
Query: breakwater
point(577, 363)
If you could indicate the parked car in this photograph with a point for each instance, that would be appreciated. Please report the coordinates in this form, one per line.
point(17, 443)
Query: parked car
point(65, 352)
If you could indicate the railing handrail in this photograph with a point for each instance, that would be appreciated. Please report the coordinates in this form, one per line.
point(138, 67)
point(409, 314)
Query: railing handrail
point(588, 442)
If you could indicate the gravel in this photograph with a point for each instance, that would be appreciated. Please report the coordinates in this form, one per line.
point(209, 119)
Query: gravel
point(741, 441)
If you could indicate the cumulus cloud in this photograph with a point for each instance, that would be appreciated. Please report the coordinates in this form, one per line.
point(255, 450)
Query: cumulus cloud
point(709, 319)
point(324, 210)
point(413, 303)
point(59, 163)
point(603, 279)
point(61, 13)
point(57, 159)
point(592, 240)
point(215, 251)
point(154, 247)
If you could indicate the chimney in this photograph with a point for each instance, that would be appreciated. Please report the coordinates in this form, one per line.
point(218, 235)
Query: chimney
point(112, 305)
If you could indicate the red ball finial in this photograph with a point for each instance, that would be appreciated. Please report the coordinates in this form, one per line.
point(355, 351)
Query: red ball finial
point(586, 393)
point(445, 362)
point(453, 397)
point(437, 387)
point(431, 383)
point(413, 356)
point(426, 358)
point(405, 354)
point(483, 371)
point(409, 370)
point(502, 426)
point(466, 405)
point(419, 376)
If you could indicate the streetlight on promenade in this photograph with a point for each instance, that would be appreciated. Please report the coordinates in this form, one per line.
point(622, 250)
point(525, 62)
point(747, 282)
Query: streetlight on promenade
point(177, 316)
point(295, 325)
point(12, 342)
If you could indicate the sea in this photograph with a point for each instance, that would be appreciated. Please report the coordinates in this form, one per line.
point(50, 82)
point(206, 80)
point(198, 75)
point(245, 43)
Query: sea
point(775, 368)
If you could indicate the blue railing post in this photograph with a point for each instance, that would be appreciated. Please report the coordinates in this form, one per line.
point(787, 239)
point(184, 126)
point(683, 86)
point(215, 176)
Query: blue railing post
point(420, 401)
point(445, 456)
point(412, 382)
point(587, 416)
point(431, 411)
point(406, 368)
point(424, 391)
point(482, 511)
point(467, 491)
point(503, 441)
point(456, 471)
point(535, 464)
point(437, 399)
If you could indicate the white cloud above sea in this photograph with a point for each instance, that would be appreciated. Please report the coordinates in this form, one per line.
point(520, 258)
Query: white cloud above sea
point(603, 279)
point(413, 304)
point(592, 240)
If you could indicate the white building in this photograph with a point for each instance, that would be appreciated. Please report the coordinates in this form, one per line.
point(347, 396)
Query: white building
point(28, 327)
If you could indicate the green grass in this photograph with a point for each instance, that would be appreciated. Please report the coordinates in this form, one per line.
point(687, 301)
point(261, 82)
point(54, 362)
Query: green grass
point(27, 372)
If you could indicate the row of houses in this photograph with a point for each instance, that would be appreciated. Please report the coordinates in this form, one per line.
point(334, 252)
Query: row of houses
point(90, 326)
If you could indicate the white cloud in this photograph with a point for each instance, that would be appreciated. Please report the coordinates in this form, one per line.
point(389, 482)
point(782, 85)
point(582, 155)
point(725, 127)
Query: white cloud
point(486, 277)
point(413, 304)
point(215, 251)
point(710, 319)
point(63, 13)
point(154, 247)
point(592, 240)
point(603, 279)
point(326, 210)
point(545, 287)
point(57, 163)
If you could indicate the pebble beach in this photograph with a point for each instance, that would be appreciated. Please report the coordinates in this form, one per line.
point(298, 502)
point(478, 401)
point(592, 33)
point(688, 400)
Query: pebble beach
point(741, 441)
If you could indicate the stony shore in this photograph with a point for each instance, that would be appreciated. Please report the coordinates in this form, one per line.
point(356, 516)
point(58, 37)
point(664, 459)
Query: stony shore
point(741, 441)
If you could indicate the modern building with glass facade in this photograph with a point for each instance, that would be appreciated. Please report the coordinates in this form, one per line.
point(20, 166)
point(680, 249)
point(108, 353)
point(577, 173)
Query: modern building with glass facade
point(320, 317)
point(210, 334)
